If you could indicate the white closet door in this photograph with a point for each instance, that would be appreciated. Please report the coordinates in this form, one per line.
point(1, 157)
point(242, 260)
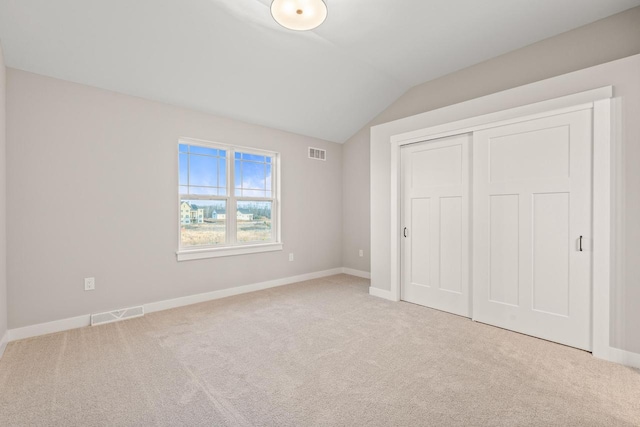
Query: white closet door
point(532, 204)
point(435, 197)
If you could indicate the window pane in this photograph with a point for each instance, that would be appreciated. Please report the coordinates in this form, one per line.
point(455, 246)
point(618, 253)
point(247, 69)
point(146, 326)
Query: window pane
point(202, 222)
point(253, 176)
point(268, 177)
point(184, 189)
point(203, 170)
point(222, 173)
point(254, 221)
point(237, 179)
point(184, 168)
point(203, 150)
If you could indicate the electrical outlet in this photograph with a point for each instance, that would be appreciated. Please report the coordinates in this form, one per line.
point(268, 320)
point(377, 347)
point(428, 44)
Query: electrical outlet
point(89, 283)
point(291, 256)
point(361, 252)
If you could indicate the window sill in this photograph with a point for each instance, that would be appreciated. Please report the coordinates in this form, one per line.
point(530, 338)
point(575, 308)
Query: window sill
point(191, 254)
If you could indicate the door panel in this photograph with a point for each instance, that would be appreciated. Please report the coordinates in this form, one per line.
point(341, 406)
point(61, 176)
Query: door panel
point(420, 251)
point(436, 167)
point(504, 259)
point(529, 155)
point(531, 204)
point(451, 225)
point(551, 253)
point(435, 251)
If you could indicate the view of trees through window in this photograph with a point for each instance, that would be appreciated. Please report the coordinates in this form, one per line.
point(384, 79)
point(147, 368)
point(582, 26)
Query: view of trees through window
point(204, 198)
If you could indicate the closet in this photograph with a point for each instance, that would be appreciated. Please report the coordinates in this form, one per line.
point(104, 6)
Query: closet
point(497, 225)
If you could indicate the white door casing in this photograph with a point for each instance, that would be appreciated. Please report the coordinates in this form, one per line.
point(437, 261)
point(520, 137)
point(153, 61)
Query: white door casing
point(435, 186)
point(531, 204)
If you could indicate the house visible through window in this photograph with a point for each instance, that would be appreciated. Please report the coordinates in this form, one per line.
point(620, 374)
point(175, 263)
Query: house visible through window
point(228, 198)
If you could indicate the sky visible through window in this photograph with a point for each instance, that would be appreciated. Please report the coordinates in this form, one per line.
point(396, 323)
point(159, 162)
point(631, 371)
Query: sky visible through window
point(203, 171)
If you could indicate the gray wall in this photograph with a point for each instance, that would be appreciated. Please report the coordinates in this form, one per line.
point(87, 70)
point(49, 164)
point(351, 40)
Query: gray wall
point(92, 191)
point(612, 38)
point(3, 199)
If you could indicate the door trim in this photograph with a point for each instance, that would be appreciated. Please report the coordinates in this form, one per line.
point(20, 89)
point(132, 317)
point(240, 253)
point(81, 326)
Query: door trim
point(599, 101)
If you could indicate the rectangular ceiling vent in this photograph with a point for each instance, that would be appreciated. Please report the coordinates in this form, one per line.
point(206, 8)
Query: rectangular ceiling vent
point(318, 154)
point(116, 315)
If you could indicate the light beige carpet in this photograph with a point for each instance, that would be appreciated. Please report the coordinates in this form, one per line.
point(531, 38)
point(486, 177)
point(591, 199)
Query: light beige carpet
point(321, 352)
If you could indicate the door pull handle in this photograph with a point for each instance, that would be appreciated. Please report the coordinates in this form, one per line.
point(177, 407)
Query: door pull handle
point(580, 244)
point(405, 232)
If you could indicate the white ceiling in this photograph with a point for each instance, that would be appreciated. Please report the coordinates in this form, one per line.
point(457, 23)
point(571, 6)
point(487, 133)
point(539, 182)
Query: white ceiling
point(228, 57)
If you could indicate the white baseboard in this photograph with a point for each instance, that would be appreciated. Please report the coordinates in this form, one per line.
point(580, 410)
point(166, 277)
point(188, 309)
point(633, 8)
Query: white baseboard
point(85, 320)
point(357, 273)
point(623, 357)
point(49, 327)
point(381, 293)
point(223, 293)
point(3, 342)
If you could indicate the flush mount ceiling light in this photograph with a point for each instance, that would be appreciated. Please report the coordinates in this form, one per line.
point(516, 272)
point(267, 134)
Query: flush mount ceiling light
point(299, 15)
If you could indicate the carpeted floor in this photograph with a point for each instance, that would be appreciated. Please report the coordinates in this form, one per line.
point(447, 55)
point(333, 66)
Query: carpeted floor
point(321, 352)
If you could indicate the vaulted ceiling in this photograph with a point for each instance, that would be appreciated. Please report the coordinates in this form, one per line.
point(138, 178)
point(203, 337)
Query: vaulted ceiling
point(228, 57)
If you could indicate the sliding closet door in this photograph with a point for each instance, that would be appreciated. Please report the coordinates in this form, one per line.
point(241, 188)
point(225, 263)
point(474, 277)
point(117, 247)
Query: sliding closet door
point(532, 228)
point(435, 212)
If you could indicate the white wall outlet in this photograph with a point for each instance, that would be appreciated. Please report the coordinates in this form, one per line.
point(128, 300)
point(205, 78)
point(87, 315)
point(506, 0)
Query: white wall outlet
point(291, 256)
point(361, 252)
point(89, 283)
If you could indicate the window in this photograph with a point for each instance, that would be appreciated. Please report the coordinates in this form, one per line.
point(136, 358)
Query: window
point(228, 201)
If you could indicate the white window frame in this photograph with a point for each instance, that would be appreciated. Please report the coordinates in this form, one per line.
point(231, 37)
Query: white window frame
point(232, 247)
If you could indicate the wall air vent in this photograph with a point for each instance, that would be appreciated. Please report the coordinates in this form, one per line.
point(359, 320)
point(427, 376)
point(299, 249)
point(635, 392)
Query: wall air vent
point(317, 154)
point(116, 315)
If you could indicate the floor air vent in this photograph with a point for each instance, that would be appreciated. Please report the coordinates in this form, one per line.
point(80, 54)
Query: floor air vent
point(116, 315)
point(317, 153)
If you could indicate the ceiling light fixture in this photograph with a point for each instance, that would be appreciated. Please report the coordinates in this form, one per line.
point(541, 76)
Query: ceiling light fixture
point(299, 15)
